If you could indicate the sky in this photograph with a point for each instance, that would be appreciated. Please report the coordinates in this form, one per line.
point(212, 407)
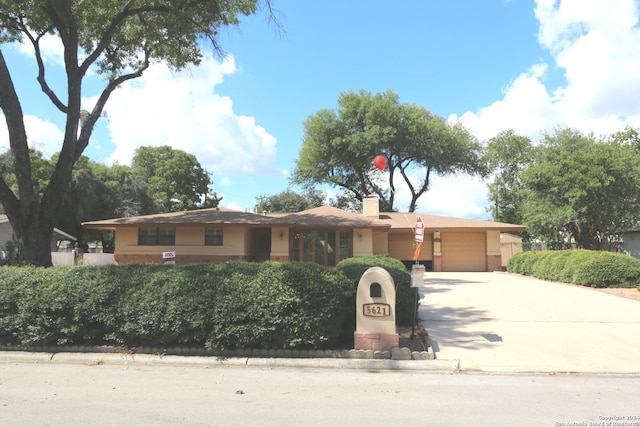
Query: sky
point(528, 65)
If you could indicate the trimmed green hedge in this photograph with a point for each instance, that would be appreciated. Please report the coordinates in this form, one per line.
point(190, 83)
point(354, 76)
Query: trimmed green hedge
point(218, 306)
point(594, 269)
point(406, 298)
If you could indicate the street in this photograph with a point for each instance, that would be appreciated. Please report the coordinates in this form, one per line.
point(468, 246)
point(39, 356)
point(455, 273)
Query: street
point(50, 394)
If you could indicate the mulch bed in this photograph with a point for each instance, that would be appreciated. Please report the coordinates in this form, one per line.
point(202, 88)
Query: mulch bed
point(419, 341)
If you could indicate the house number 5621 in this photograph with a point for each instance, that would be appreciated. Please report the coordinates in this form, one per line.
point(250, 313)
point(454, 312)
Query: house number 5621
point(376, 310)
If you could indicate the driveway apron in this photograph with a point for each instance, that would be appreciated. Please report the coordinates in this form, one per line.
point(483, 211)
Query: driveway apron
point(501, 322)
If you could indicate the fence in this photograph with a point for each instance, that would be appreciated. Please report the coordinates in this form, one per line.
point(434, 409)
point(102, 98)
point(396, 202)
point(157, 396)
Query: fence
point(72, 258)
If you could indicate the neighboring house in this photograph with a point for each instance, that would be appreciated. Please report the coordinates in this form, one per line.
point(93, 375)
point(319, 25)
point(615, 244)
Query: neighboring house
point(631, 242)
point(6, 237)
point(324, 235)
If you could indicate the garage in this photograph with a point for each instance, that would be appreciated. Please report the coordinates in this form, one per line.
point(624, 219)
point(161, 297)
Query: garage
point(464, 252)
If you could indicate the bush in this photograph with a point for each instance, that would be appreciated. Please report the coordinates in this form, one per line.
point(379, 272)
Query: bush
point(578, 266)
point(406, 296)
point(218, 306)
point(606, 270)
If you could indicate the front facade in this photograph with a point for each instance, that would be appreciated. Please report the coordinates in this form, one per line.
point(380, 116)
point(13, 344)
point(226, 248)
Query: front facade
point(324, 235)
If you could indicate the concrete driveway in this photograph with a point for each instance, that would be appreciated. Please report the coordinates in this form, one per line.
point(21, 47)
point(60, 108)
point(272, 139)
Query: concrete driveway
point(506, 323)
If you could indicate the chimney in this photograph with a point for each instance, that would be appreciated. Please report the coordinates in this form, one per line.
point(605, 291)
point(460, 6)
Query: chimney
point(371, 207)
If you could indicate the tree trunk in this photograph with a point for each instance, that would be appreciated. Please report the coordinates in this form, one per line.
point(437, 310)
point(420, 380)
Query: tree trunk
point(33, 237)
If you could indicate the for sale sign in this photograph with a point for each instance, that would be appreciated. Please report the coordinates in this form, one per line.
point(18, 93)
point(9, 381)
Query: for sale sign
point(419, 230)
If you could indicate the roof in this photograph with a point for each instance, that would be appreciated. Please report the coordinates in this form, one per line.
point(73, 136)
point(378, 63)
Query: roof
point(196, 217)
point(634, 229)
point(324, 216)
point(60, 233)
point(328, 216)
point(400, 220)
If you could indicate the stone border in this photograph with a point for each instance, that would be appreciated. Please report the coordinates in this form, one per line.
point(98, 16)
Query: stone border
point(397, 353)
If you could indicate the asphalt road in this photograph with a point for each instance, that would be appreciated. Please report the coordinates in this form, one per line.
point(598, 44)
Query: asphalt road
point(54, 394)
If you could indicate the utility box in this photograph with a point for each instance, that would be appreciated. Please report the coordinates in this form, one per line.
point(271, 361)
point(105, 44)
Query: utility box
point(375, 311)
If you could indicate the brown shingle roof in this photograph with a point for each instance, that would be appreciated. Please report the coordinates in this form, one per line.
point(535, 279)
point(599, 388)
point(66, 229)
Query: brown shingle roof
point(324, 216)
point(200, 216)
point(328, 216)
point(432, 222)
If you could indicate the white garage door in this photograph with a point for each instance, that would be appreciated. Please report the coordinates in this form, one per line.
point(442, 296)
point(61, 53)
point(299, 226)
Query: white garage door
point(464, 252)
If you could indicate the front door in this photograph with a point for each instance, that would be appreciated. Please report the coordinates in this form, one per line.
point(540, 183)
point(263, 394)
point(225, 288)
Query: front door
point(261, 244)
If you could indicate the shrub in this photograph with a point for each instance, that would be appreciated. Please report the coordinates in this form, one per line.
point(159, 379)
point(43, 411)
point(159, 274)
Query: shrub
point(606, 269)
point(228, 305)
point(578, 266)
point(406, 296)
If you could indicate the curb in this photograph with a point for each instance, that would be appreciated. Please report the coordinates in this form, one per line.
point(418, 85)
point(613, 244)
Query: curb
point(95, 359)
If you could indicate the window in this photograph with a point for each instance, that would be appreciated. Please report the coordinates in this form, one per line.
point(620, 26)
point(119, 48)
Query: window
point(213, 236)
point(156, 236)
point(319, 246)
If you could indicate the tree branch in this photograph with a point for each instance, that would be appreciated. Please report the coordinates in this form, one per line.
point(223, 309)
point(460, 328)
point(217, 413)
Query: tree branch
point(10, 105)
point(90, 121)
point(9, 200)
point(126, 12)
point(41, 75)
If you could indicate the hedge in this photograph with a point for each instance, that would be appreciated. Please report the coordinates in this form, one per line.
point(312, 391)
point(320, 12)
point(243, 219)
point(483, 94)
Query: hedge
point(594, 269)
point(406, 296)
point(219, 306)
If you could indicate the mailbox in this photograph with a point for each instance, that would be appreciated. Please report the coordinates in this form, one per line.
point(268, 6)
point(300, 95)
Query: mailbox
point(375, 311)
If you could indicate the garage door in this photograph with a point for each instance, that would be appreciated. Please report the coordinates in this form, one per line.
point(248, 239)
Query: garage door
point(464, 252)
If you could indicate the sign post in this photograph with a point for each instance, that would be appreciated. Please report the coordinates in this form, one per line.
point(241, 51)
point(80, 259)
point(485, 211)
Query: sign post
point(417, 270)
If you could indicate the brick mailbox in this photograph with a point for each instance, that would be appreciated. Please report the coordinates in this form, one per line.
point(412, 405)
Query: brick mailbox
point(375, 311)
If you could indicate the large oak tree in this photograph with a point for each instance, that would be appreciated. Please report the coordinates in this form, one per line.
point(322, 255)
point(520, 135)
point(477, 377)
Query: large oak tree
point(340, 145)
point(118, 39)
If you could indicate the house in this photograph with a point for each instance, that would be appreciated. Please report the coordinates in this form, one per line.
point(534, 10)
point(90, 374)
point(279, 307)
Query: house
point(6, 238)
point(324, 235)
point(631, 241)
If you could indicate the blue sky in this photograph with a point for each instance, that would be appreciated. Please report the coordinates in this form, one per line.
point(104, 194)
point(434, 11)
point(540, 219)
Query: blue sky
point(528, 65)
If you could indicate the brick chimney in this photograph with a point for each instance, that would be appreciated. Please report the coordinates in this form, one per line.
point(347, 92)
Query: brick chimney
point(371, 207)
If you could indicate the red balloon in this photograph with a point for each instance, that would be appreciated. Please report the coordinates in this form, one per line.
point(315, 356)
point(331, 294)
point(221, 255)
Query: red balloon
point(380, 162)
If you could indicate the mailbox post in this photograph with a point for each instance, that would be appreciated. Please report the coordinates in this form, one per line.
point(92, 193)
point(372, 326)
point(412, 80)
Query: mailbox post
point(375, 311)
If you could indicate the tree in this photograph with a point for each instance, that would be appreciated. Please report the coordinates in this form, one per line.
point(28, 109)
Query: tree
point(581, 190)
point(118, 39)
point(290, 201)
point(339, 146)
point(125, 191)
point(175, 180)
point(85, 199)
point(507, 155)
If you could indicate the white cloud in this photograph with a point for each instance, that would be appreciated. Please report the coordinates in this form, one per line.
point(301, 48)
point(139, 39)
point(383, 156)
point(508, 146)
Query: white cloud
point(526, 107)
point(597, 45)
point(51, 49)
point(182, 110)
point(42, 135)
point(233, 206)
point(458, 196)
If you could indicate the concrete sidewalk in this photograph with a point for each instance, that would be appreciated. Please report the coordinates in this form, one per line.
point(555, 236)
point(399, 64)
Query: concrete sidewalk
point(500, 322)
